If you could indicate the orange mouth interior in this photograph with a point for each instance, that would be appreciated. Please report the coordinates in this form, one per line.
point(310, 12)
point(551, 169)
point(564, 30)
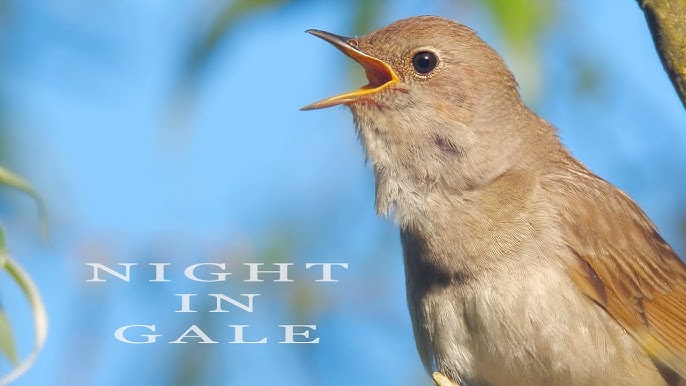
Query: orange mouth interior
point(379, 74)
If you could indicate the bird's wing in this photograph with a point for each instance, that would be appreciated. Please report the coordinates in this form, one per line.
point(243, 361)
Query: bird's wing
point(625, 266)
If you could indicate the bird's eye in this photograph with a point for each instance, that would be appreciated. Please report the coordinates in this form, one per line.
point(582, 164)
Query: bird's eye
point(424, 62)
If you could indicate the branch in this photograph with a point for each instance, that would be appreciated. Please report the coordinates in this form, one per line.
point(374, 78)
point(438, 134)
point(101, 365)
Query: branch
point(667, 23)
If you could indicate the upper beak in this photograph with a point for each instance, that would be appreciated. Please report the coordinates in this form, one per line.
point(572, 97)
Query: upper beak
point(379, 74)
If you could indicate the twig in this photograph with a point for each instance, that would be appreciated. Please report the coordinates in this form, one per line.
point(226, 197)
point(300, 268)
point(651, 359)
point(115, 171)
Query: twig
point(442, 380)
point(666, 20)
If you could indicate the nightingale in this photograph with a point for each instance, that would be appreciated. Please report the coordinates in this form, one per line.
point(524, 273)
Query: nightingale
point(522, 267)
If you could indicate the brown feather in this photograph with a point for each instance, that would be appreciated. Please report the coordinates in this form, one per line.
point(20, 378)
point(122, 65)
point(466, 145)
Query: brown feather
point(625, 266)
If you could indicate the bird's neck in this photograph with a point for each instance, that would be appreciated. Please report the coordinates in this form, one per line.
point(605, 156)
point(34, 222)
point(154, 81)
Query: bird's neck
point(415, 182)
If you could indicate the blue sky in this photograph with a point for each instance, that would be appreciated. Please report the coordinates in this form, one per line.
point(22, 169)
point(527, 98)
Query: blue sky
point(132, 174)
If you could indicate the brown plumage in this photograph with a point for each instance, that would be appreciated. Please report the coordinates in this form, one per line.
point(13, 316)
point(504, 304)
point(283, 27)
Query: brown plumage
point(522, 267)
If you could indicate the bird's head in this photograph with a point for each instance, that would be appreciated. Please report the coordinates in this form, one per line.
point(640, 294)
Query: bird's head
point(440, 106)
point(426, 62)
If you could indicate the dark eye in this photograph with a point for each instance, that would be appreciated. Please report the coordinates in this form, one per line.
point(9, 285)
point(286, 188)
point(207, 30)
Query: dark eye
point(424, 62)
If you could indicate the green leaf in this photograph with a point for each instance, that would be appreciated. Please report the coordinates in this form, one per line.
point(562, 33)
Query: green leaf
point(7, 345)
point(40, 318)
point(12, 180)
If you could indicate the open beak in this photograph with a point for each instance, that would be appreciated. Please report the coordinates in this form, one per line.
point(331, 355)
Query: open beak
point(379, 74)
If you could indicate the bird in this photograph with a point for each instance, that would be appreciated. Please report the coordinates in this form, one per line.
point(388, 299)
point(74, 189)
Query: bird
point(522, 267)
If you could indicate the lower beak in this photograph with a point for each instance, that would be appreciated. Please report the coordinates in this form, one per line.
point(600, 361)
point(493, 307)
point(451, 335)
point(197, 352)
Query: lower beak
point(379, 74)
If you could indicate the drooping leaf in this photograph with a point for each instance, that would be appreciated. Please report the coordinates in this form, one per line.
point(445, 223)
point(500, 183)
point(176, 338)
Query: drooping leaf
point(8, 348)
point(40, 318)
point(12, 180)
point(7, 345)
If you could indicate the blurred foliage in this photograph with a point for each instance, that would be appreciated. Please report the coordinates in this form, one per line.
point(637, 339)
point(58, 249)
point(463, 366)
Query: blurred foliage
point(588, 77)
point(6, 15)
point(365, 14)
point(222, 26)
point(521, 24)
point(520, 21)
point(8, 347)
